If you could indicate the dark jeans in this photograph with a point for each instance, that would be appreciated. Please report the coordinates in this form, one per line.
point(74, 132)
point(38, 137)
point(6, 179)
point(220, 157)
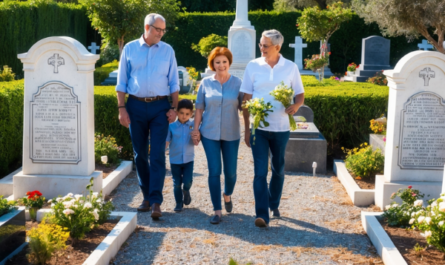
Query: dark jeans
point(149, 118)
point(268, 197)
point(213, 150)
point(181, 174)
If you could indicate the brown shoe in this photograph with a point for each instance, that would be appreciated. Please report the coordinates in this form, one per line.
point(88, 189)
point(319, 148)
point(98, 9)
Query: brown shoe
point(259, 222)
point(144, 207)
point(156, 211)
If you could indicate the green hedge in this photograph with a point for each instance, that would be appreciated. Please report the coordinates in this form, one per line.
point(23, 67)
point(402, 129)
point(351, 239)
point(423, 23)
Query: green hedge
point(101, 73)
point(25, 23)
point(11, 125)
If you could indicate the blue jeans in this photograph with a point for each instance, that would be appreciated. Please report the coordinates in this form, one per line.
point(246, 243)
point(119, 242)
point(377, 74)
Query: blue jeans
point(213, 150)
point(149, 118)
point(181, 174)
point(268, 197)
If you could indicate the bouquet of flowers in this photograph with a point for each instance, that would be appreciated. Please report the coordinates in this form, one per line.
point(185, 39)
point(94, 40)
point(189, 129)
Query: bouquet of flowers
point(259, 110)
point(352, 67)
point(33, 199)
point(316, 62)
point(283, 94)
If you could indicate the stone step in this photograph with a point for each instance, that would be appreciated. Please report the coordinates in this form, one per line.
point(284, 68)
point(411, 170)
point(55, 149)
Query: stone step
point(6, 185)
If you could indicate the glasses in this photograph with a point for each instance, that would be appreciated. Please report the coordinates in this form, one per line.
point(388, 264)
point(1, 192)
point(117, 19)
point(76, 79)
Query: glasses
point(159, 30)
point(264, 46)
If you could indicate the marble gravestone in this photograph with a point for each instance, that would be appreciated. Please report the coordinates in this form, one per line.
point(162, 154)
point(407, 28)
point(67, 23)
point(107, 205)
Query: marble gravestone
point(415, 137)
point(58, 129)
point(306, 145)
point(375, 58)
point(298, 46)
point(241, 41)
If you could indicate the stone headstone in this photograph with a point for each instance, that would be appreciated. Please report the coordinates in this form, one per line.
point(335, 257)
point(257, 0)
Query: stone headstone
point(425, 45)
point(93, 48)
point(375, 58)
point(241, 41)
point(58, 131)
point(298, 46)
point(415, 137)
point(306, 137)
point(111, 80)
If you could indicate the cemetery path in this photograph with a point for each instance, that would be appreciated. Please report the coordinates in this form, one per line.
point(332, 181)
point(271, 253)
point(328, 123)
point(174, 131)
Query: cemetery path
point(319, 224)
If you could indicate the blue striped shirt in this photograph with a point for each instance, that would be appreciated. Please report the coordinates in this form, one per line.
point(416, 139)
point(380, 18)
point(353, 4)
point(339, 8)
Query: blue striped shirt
point(147, 71)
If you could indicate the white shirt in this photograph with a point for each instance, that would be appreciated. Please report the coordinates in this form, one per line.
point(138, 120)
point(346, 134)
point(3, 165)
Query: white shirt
point(260, 79)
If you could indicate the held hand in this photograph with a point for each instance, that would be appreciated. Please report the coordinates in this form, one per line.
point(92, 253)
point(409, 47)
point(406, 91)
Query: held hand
point(292, 109)
point(124, 119)
point(171, 116)
point(247, 137)
point(196, 137)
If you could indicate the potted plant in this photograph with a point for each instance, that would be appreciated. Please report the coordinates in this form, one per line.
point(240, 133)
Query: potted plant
point(351, 69)
point(33, 201)
point(317, 64)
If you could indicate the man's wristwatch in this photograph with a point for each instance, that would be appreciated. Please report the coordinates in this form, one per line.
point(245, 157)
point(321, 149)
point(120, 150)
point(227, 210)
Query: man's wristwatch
point(173, 108)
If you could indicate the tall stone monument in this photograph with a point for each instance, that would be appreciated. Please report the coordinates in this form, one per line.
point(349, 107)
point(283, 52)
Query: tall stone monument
point(58, 129)
point(415, 137)
point(242, 38)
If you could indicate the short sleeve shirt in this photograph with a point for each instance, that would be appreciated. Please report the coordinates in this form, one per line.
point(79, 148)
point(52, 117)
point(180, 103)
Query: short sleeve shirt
point(220, 119)
point(260, 79)
point(181, 144)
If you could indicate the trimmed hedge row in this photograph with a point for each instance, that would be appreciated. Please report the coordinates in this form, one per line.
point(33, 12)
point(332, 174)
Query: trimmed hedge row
point(101, 73)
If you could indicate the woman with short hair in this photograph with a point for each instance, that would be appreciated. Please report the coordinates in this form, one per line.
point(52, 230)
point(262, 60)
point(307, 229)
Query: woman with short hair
point(217, 126)
point(261, 76)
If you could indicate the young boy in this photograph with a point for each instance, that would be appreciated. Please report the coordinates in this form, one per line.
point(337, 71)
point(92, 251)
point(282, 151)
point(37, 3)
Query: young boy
point(182, 153)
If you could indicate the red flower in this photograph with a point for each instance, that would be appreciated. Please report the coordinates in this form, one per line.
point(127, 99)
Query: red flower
point(414, 195)
point(329, 53)
point(410, 187)
point(28, 193)
point(298, 25)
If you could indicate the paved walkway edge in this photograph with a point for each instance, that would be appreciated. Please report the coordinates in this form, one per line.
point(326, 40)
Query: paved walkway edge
point(359, 197)
point(380, 239)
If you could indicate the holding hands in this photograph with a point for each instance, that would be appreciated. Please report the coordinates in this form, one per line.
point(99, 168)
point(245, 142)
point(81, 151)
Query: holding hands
point(196, 137)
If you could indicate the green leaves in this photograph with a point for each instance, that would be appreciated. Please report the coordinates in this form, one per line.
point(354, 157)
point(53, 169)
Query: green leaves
point(207, 44)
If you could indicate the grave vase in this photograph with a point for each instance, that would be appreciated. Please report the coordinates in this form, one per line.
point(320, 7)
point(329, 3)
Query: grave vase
point(33, 213)
point(320, 74)
point(351, 73)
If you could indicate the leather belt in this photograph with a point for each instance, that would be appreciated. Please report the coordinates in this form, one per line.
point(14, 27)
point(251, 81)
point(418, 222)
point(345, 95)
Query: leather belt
point(148, 99)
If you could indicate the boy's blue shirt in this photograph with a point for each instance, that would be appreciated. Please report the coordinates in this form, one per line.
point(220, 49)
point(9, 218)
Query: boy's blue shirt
point(182, 149)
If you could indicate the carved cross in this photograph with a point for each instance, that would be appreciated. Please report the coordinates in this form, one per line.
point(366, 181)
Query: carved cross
point(427, 74)
point(298, 45)
point(56, 61)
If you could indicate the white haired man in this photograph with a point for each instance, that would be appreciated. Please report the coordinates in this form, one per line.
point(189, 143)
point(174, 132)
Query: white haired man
point(261, 76)
point(148, 74)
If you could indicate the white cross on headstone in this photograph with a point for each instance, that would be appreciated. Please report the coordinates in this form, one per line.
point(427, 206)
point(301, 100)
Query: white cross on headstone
point(427, 74)
point(56, 61)
point(93, 48)
point(298, 45)
point(424, 45)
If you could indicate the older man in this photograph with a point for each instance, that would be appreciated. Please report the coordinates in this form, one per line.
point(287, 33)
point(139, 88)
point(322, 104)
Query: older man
point(148, 74)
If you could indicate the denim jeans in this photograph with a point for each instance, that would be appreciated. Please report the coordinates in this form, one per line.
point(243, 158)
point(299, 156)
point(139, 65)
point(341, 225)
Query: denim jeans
point(229, 151)
point(182, 175)
point(149, 118)
point(268, 197)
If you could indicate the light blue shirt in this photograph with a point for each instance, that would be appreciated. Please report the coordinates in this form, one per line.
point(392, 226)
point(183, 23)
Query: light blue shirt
point(147, 71)
point(182, 149)
point(220, 120)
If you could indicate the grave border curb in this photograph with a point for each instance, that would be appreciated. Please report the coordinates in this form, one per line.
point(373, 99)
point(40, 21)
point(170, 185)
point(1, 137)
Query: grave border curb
point(359, 197)
point(380, 239)
point(115, 178)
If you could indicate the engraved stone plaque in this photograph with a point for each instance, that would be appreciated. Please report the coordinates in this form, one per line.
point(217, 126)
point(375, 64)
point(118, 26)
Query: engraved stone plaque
point(242, 45)
point(422, 134)
point(55, 125)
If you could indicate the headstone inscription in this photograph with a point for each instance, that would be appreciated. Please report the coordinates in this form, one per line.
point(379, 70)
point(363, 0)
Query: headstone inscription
point(58, 131)
point(425, 45)
point(415, 138)
point(298, 46)
point(375, 58)
point(305, 137)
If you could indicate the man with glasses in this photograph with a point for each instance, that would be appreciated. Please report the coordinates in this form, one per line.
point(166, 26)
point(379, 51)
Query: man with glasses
point(148, 74)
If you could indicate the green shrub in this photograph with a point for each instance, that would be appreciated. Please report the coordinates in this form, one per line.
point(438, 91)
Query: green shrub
point(363, 162)
point(106, 146)
point(101, 73)
point(7, 74)
point(108, 54)
point(6, 206)
point(207, 44)
point(401, 215)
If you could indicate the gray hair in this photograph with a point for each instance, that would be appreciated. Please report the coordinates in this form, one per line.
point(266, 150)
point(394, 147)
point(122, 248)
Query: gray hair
point(274, 35)
point(150, 19)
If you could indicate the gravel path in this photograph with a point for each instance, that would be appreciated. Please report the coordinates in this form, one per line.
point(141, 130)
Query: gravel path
point(319, 224)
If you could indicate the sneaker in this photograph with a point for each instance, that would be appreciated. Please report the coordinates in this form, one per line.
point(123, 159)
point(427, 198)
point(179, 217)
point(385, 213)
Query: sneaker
point(276, 213)
point(178, 207)
point(187, 198)
point(259, 222)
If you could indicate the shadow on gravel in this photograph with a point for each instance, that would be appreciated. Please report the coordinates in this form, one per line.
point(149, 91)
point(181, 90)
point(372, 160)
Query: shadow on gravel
point(146, 252)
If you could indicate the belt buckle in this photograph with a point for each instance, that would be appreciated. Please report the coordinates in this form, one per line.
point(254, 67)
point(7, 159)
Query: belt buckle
point(149, 99)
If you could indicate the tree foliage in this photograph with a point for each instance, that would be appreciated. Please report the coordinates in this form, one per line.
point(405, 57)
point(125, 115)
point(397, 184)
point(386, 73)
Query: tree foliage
point(119, 21)
point(286, 5)
point(406, 17)
point(207, 44)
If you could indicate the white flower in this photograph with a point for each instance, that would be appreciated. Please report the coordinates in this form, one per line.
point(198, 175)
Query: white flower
point(78, 196)
point(87, 205)
point(442, 206)
point(69, 195)
point(96, 214)
point(387, 207)
point(75, 205)
point(67, 204)
point(413, 214)
point(434, 204)
point(394, 205)
point(52, 205)
point(420, 219)
point(59, 199)
point(440, 223)
point(428, 234)
point(418, 203)
point(49, 201)
point(81, 201)
point(419, 212)
point(68, 211)
point(411, 221)
point(433, 214)
point(428, 220)
point(99, 200)
point(95, 194)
